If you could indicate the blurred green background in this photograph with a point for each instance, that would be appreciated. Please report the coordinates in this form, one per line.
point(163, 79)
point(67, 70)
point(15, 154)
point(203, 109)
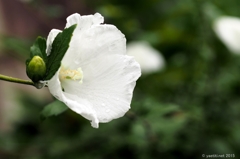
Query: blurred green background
point(190, 108)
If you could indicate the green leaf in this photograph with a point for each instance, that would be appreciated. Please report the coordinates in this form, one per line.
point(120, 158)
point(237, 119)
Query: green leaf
point(54, 108)
point(59, 48)
point(39, 48)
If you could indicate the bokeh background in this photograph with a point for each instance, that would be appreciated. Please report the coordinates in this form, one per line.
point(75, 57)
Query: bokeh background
point(190, 108)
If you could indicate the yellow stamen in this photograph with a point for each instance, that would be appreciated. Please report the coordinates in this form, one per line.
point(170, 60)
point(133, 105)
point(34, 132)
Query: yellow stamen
point(71, 74)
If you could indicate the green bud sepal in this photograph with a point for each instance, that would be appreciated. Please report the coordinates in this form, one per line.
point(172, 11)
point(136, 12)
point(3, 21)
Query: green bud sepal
point(36, 69)
point(40, 67)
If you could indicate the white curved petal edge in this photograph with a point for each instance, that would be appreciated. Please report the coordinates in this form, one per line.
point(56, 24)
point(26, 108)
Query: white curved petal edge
point(150, 59)
point(97, 78)
point(51, 36)
point(227, 29)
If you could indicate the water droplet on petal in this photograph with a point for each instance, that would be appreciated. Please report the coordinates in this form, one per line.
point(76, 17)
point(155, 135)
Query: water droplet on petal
point(108, 110)
point(103, 104)
point(117, 99)
point(77, 62)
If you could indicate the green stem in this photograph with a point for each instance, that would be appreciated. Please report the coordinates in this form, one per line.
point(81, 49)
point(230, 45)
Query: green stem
point(16, 80)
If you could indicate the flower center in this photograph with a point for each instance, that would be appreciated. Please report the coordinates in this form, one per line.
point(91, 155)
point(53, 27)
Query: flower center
point(71, 74)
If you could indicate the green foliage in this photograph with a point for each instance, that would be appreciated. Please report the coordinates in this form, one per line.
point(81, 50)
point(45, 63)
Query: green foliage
point(36, 64)
point(39, 48)
point(54, 108)
point(51, 62)
point(59, 48)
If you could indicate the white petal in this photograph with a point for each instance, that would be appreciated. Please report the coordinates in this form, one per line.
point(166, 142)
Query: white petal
point(51, 36)
point(74, 102)
point(109, 76)
point(107, 88)
point(84, 21)
point(228, 30)
point(93, 42)
point(55, 88)
point(149, 58)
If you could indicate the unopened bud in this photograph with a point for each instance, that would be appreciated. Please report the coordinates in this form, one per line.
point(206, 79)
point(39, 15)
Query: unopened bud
point(36, 69)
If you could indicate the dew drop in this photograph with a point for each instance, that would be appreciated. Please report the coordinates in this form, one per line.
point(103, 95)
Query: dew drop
point(108, 110)
point(77, 62)
point(117, 99)
point(103, 104)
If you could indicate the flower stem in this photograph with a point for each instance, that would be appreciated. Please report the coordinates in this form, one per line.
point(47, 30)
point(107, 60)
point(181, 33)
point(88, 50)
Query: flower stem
point(16, 80)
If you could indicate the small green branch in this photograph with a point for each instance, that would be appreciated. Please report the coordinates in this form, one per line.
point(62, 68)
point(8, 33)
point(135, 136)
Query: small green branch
point(16, 80)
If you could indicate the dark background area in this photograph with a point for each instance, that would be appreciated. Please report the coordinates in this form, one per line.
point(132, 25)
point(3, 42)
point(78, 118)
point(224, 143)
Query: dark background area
point(189, 109)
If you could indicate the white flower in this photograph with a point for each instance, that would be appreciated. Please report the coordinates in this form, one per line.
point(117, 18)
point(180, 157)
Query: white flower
point(228, 30)
point(149, 58)
point(96, 78)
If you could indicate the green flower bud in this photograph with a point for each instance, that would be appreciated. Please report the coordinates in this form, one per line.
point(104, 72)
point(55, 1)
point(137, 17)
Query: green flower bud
point(36, 69)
